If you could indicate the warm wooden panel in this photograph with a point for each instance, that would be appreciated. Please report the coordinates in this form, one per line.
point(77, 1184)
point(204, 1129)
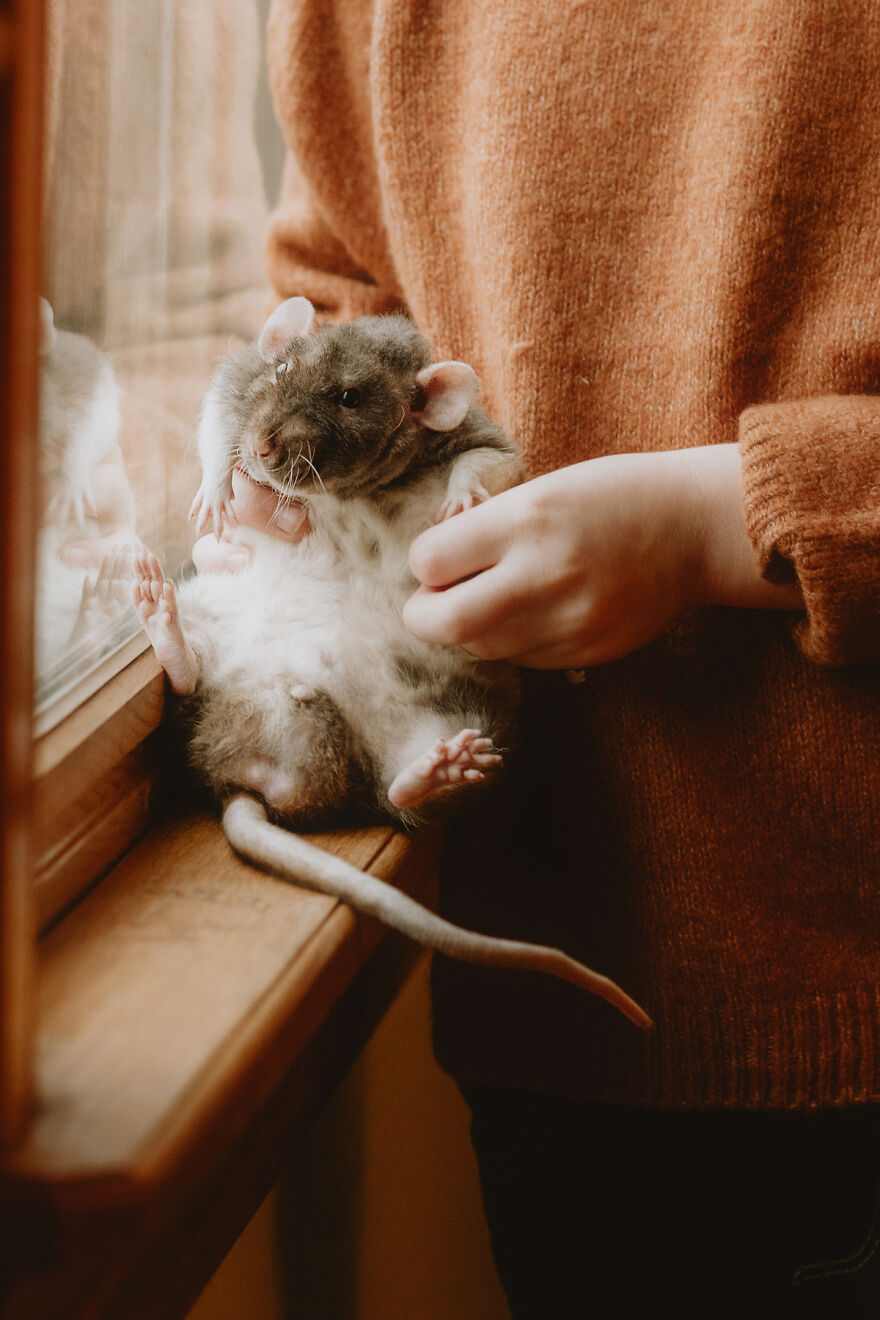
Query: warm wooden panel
point(20, 168)
point(177, 1265)
point(100, 731)
point(163, 998)
point(94, 830)
point(192, 1013)
point(114, 1263)
point(103, 674)
point(5, 44)
point(98, 776)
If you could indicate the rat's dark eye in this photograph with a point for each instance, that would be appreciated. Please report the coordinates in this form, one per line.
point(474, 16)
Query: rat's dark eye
point(350, 398)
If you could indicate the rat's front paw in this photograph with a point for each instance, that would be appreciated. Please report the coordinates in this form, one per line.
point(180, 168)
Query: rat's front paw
point(155, 602)
point(152, 595)
point(461, 496)
point(214, 504)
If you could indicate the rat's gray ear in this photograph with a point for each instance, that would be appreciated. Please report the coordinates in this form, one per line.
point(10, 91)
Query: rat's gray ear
point(294, 319)
point(48, 333)
point(449, 389)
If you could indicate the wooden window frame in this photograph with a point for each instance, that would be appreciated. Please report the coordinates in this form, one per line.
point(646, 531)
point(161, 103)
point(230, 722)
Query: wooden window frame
point(21, 73)
point(165, 1041)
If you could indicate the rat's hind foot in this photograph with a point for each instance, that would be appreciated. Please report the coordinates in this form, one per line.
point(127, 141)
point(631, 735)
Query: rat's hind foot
point(449, 764)
point(156, 604)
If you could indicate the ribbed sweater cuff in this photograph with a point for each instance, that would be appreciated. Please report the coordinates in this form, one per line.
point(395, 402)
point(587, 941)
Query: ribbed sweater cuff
point(811, 472)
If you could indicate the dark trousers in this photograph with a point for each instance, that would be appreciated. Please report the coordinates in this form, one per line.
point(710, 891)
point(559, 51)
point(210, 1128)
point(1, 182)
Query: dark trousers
point(604, 1211)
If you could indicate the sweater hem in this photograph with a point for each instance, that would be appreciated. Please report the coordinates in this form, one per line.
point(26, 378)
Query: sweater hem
point(815, 1052)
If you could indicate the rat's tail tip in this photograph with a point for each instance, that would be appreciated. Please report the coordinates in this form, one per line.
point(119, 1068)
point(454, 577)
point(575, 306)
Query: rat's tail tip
point(640, 1018)
point(620, 1000)
point(595, 983)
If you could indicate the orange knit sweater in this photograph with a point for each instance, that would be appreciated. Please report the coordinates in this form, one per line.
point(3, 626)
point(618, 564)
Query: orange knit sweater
point(647, 226)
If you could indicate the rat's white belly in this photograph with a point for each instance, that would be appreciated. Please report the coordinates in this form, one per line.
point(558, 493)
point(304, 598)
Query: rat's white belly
point(306, 615)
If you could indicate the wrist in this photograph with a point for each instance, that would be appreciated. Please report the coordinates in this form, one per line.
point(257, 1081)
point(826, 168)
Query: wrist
point(729, 572)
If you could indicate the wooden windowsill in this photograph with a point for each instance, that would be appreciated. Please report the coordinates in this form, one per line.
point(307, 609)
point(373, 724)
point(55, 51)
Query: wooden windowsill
point(5, 43)
point(95, 778)
point(180, 1003)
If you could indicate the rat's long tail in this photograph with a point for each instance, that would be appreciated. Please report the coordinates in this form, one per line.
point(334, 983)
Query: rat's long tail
point(252, 834)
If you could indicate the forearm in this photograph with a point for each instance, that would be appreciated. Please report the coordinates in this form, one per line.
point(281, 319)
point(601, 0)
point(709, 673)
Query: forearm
point(729, 568)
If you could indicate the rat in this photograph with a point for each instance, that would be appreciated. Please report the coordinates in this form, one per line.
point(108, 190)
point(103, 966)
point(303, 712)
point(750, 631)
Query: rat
point(304, 699)
point(79, 418)
point(88, 515)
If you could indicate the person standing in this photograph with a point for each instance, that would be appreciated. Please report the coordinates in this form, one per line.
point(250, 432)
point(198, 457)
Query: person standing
point(655, 234)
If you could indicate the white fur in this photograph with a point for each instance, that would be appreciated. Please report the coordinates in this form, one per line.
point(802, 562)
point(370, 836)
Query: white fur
point(90, 430)
point(217, 446)
point(326, 612)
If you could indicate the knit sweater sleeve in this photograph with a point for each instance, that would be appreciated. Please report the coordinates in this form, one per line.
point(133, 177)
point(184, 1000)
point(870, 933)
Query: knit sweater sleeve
point(812, 492)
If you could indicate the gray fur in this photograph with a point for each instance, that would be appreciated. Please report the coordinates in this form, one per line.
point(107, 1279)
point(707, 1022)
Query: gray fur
point(379, 446)
point(79, 416)
point(311, 696)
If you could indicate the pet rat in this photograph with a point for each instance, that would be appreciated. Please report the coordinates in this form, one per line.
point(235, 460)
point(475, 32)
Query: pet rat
point(88, 506)
point(79, 418)
point(304, 697)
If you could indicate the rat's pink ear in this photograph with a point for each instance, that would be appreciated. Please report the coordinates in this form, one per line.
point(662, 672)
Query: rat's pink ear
point(294, 319)
point(449, 389)
point(48, 333)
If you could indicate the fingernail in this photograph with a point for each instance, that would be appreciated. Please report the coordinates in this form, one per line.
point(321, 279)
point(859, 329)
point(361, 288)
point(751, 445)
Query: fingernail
point(291, 517)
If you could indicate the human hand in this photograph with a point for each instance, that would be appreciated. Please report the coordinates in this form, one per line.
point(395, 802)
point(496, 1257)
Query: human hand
point(242, 500)
point(255, 506)
point(263, 508)
point(588, 563)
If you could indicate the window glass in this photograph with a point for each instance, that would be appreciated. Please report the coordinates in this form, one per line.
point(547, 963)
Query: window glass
point(160, 156)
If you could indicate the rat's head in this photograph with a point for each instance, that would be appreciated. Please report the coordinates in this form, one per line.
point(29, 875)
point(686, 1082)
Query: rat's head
point(343, 408)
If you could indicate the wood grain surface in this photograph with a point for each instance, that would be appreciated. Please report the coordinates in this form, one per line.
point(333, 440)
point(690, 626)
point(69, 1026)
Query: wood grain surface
point(20, 167)
point(96, 784)
point(192, 1013)
point(165, 992)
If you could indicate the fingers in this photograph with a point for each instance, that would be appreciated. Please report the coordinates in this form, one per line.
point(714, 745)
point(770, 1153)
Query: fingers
point(474, 540)
point(466, 612)
point(254, 504)
point(263, 508)
point(497, 622)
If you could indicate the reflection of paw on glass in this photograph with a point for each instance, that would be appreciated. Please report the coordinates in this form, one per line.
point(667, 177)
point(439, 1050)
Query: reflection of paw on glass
point(105, 598)
point(88, 526)
point(113, 516)
point(90, 553)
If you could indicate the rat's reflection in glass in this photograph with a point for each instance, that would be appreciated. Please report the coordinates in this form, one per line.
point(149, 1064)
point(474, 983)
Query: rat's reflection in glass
point(160, 145)
point(87, 532)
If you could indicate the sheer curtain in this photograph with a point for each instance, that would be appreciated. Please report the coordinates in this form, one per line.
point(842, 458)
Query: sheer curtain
point(155, 214)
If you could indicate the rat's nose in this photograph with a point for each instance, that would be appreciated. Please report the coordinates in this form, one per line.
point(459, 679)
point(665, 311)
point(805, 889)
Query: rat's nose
point(262, 446)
